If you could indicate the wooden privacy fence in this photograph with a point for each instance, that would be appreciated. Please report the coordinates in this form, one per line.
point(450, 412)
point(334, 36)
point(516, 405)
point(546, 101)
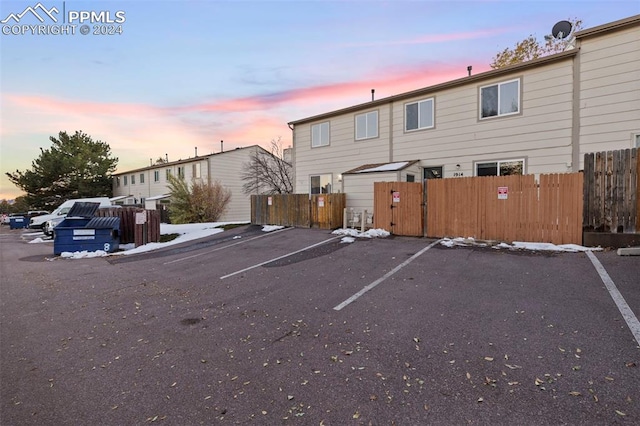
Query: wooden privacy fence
point(612, 191)
point(507, 208)
point(323, 211)
point(138, 226)
point(398, 207)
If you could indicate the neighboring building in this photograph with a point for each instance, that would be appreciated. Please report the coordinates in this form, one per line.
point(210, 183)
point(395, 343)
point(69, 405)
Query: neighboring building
point(148, 185)
point(540, 116)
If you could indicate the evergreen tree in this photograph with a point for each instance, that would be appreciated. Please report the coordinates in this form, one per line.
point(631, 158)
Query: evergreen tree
point(75, 166)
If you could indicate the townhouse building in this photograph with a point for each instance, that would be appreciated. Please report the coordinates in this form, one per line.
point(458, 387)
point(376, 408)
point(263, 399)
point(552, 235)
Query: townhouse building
point(536, 117)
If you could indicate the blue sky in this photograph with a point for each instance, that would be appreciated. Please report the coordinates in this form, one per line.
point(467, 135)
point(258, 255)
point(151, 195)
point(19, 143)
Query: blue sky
point(186, 74)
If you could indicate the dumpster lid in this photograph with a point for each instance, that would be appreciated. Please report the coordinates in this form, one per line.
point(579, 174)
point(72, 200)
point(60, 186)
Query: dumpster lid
point(110, 222)
point(83, 209)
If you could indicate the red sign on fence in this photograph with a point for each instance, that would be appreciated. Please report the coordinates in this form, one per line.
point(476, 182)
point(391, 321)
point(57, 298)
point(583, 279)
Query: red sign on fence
point(396, 196)
point(503, 192)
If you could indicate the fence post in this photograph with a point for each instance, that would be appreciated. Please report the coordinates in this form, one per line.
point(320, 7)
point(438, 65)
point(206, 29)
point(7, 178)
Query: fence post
point(344, 218)
point(363, 219)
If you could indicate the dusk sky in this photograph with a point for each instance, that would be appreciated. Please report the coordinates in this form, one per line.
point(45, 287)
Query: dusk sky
point(186, 74)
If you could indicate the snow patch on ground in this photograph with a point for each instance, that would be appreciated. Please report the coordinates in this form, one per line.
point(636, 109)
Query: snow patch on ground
point(347, 239)
point(517, 245)
point(271, 228)
point(371, 233)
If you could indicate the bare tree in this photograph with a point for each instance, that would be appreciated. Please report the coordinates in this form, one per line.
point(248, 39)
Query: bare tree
point(268, 172)
point(530, 48)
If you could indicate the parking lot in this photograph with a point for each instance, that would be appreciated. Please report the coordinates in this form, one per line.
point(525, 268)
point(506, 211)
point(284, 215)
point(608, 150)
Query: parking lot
point(295, 327)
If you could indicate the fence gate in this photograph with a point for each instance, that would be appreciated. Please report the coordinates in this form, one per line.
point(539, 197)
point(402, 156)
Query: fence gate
point(612, 191)
point(398, 207)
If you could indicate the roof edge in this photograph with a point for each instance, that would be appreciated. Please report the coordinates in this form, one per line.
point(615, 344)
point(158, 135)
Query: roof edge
point(611, 26)
point(445, 85)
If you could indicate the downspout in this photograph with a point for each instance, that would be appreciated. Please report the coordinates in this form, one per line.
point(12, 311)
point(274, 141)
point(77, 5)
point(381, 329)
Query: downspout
point(391, 131)
point(293, 157)
point(575, 128)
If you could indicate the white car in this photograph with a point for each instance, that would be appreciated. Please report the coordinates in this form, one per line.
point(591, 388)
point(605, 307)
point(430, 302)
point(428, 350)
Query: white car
point(48, 226)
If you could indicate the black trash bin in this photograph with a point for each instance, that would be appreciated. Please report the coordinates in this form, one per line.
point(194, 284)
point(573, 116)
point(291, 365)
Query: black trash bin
point(81, 231)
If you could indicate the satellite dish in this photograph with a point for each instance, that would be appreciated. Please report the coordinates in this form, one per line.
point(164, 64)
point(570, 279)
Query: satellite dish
point(561, 30)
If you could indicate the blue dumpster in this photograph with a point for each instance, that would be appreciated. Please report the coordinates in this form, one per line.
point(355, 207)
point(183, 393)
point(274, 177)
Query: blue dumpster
point(80, 231)
point(17, 222)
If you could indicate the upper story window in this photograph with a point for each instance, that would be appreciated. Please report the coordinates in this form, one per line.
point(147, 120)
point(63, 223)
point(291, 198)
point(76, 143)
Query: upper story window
point(156, 175)
point(133, 179)
point(168, 173)
point(500, 168)
point(117, 181)
point(181, 172)
point(141, 177)
point(197, 170)
point(367, 125)
point(124, 180)
point(320, 134)
point(500, 99)
point(418, 115)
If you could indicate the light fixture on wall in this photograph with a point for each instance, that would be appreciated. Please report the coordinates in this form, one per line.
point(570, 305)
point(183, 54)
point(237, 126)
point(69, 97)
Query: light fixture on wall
point(458, 166)
point(339, 177)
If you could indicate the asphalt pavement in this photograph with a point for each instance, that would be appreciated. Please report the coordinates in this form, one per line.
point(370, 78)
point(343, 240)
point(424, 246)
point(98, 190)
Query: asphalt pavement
point(295, 327)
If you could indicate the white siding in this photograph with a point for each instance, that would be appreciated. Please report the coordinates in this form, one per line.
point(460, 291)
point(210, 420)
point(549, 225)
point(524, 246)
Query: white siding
point(609, 91)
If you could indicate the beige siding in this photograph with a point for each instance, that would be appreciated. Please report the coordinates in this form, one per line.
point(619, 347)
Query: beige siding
point(226, 168)
point(359, 188)
point(609, 91)
point(459, 137)
point(343, 152)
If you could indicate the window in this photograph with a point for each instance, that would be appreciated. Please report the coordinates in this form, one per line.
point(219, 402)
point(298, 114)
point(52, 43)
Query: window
point(320, 135)
point(124, 180)
point(637, 138)
point(500, 168)
point(433, 172)
point(367, 125)
point(133, 179)
point(321, 184)
point(141, 177)
point(500, 99)
point(411, 178)
point(156, 175)
point(197, 173)
point(418, 115)
point(181, 172)
point(117, 181)
point(168, 173)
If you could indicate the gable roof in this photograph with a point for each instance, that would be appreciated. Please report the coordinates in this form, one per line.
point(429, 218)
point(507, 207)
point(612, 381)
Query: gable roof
point(569, 54)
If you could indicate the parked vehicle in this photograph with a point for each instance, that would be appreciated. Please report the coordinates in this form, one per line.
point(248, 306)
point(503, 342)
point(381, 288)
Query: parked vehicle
point(61, 212)
point(34, 213)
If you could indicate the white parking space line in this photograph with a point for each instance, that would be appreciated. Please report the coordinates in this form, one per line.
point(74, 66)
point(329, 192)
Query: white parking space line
point(225, 247)
point(280, 257)
point(623, 307)
point(384, 277)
